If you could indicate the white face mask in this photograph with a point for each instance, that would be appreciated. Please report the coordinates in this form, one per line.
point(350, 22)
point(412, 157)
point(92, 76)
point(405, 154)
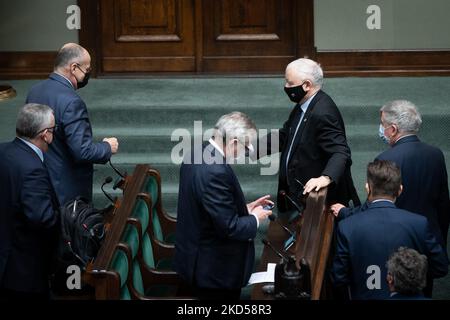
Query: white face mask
point(382, 135)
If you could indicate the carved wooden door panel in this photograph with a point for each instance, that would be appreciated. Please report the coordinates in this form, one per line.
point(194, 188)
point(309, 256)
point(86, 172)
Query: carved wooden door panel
point(248, 35)
point(147, 35)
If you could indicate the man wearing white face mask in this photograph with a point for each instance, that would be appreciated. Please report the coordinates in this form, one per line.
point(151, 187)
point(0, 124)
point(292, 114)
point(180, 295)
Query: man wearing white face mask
point(422, 168)
point(214, 249)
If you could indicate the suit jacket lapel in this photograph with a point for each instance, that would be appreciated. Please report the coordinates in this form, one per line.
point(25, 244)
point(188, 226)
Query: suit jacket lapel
point(304, 122)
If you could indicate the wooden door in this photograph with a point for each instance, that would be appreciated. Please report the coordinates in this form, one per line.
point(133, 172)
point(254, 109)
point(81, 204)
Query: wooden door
point(147, 36)
point(248, 35)
point(202, 36)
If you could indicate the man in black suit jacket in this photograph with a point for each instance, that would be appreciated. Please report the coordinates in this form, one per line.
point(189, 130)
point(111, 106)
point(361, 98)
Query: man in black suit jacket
point(71, 156)
point(367, 239)
point(214, 249)
point(28, 218)
point(312, 142)
point(424, 173)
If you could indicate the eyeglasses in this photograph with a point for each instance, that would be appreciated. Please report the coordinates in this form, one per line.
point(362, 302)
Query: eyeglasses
point(87, 70)
point(50, 129)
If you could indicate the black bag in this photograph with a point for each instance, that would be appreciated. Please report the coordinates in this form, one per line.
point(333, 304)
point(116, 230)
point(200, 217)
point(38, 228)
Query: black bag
point(82, 232)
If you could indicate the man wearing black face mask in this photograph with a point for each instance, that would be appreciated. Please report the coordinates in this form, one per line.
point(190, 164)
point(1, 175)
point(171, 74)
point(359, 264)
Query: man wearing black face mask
point(312, 142)
point(71, 156)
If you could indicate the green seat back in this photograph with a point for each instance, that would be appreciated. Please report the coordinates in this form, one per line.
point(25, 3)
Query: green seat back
point(131, 238)
point(125, 293)
point(137, 278)
point(151, 187)
point(141, 213)
point(157, 230)
point(147, 251)
point(119, 264)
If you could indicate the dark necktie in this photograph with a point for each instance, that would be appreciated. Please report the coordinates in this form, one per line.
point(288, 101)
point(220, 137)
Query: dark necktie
point(293, 130)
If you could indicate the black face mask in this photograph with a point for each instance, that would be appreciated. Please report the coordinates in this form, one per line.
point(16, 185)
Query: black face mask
point(82, 84)
point(296, 94)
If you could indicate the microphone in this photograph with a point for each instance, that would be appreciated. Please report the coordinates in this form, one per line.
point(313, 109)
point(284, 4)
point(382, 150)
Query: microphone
point(115, 169)
point(301, 184)
point(107, 180)
point(122, 177)
point(272, 218)
point(284, 194)
point(278, 253)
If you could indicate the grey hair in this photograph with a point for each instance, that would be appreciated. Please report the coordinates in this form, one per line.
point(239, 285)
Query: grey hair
point(68, 54)
point(32, 119)
point(309, 70)
point(404, 114)
point(235, 125)
point(408, 269)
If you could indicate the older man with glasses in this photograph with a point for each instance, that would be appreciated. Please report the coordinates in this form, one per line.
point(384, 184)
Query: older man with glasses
point(28, 208)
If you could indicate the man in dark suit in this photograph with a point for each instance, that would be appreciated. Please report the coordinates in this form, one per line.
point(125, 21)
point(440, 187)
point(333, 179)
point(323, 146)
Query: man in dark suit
point(312, 142)
point(71, 157)
point(367, 239)
point(424, 173)
point(214, 249)
point(28, 218)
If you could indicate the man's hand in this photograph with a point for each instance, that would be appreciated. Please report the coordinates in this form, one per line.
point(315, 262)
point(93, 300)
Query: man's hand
point(113, 143)
point(260, 213)
point(259, 202)
point(335, 208)
point(316, 184)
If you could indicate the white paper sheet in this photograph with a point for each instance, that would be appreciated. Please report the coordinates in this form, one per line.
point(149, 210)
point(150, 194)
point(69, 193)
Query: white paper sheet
point(267, 276)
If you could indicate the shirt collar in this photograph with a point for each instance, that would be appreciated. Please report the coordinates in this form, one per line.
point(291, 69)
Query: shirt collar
point(215, 145)
point(394, 294)
point(405, 136)
point(35, 149)
point(380, 200)
point(59, 74)
point(305, 104)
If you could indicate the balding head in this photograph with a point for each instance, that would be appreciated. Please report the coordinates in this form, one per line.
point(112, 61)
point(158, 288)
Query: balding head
point(70, 53)
point(74, 63)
